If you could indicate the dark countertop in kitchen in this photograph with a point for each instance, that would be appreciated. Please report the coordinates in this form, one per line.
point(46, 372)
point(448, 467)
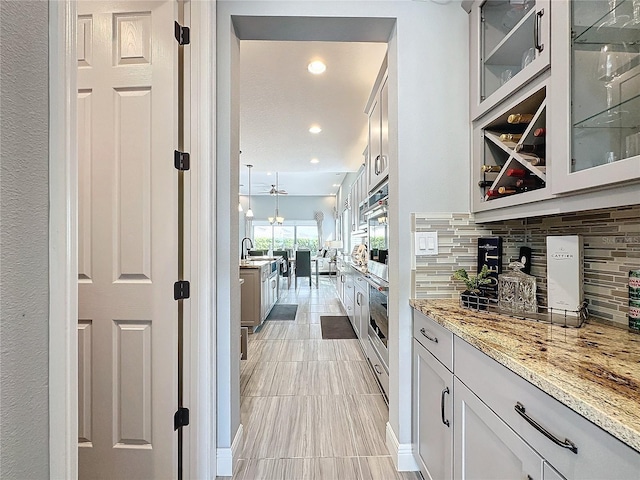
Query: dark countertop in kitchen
point(594, 370)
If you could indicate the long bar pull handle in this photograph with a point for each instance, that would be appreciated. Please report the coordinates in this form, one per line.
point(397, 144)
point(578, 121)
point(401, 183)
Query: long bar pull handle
point(424, 332)
point(444, 392)
point(566, 443)
point(536, 30)
point(376, 170)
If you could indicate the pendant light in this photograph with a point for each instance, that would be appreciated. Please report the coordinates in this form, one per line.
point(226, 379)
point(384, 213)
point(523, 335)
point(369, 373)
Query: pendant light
point(249, 213)
point(277, 219)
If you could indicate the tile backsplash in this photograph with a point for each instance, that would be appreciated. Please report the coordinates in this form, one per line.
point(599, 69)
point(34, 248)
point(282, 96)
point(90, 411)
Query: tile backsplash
point(611, 244)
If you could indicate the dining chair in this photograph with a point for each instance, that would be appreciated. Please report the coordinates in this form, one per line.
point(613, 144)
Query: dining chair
point(303, 265)
point(284, 266)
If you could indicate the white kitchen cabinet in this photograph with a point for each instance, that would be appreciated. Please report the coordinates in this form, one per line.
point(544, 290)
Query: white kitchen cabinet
point(510, 45)
point(433, 416)
point(485, 447)
point(377, 161)
point(361, 314)
point(549, 473)
point(596, 87)
point(586, 95)
point(572, 445)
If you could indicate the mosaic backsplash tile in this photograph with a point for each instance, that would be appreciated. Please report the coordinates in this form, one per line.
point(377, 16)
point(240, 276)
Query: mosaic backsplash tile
point(611, 243)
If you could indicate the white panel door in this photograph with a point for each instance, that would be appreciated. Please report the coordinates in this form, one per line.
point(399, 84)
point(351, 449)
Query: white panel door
point(128, 239)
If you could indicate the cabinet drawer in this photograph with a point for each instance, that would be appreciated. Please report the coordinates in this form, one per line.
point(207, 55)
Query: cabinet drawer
point(599, 455)
point(379, 370)
point(434, 337)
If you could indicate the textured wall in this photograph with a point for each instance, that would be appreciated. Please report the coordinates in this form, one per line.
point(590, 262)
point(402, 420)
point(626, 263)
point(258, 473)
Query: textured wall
point(24, 428)
point(611, 243)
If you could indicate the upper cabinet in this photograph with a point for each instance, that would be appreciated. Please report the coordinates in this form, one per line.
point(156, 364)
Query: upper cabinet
point(510, 45)
point(377, 162)
point(596, 124)
point(559, 129)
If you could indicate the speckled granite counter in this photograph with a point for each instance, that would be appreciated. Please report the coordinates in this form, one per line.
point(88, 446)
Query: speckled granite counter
point(594, 370)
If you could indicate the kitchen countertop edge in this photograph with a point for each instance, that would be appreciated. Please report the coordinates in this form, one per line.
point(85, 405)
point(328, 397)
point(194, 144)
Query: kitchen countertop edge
point(605, 420)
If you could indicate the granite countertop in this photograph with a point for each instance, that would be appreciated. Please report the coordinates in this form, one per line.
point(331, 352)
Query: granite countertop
point(258, 262)
point(594, 370)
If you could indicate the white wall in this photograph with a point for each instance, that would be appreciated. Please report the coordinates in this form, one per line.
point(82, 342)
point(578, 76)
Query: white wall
point(429, 146)
point(24, 197)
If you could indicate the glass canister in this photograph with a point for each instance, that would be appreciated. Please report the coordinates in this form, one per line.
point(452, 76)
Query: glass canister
point(517, 290)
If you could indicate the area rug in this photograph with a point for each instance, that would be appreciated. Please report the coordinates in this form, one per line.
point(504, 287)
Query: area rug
point(336, 328)
point(283, 312)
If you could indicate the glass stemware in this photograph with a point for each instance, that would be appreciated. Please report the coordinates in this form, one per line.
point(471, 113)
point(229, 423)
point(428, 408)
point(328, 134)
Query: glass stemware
point(613, 18)
point(611, 64)
point(635, 21)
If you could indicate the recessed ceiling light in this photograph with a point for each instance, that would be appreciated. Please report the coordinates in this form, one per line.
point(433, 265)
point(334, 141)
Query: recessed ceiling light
point(316, 67)
point(315, 129)
point(315, 160)
point(268, 173)
point(336, 185)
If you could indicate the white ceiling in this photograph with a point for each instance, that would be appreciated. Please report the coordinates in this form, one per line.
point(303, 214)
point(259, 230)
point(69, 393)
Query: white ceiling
point(280, 100)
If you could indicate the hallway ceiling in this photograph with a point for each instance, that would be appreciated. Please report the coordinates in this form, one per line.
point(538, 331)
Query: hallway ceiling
point(280, 100)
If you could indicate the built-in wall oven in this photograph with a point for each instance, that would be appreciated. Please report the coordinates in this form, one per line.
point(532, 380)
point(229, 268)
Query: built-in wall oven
point(378, 328)
point(378, 224)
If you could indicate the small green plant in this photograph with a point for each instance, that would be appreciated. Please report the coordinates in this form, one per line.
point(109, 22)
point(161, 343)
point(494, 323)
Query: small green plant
point(473, 282)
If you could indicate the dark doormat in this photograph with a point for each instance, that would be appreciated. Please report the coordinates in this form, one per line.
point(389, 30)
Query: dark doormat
point(336, 328)
point(283, 312)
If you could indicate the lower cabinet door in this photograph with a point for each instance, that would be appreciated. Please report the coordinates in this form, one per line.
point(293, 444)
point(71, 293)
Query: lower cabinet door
point(551, 474)
point(433, 415)
point(485, 447)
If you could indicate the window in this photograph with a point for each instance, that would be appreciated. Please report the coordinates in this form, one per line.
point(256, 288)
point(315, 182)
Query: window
point(282, 237)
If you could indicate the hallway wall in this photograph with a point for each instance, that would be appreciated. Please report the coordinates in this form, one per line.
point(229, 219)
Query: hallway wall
point(24, 199)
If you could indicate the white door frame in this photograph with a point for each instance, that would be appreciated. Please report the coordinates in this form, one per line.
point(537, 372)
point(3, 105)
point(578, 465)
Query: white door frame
point(200, 365)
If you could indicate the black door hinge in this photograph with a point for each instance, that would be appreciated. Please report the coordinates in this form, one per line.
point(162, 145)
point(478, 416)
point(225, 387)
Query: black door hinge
point(181, 290)
point(182, 34)
point(181, 418)
point(181, 160)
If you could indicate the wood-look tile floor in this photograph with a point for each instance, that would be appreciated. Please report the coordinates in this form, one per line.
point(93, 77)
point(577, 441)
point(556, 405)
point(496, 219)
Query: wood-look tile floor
point(311, 408)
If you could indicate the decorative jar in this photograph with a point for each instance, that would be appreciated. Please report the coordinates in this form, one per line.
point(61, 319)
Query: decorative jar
point(517, 291)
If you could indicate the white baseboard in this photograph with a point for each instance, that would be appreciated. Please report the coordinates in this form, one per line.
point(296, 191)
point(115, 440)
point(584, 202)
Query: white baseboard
point(402, 454)
point(226, 457)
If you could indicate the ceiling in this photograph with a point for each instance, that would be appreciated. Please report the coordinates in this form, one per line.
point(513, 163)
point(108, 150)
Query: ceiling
point(280, 100)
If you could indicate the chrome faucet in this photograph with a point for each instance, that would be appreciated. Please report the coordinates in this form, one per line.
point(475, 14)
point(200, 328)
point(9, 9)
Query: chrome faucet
point(244, 256)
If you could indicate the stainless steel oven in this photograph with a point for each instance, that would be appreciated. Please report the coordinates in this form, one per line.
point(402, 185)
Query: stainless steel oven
point(378, 328)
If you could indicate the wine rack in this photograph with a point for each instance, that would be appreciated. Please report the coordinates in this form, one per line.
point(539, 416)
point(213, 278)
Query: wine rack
point(516, 150)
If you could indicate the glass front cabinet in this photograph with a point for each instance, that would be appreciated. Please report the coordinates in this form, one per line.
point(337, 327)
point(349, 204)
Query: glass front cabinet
point(555, 105)
point(596, 95)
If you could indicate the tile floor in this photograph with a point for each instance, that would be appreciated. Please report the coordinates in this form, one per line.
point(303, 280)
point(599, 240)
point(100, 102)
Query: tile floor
point(311, 408)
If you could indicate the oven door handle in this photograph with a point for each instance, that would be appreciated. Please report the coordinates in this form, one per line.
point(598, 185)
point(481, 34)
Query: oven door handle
point(376, 285)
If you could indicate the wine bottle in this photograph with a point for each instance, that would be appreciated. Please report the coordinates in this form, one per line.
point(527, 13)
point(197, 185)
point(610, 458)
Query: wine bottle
point(538, 161)
point(520, 118)
point(540, 132)
point(490, 168)
point(507, 190)
point(510, 137)
point(526, 182)
point(525, 148)
point(492, 193)
point(517, 172)
point(485, 183)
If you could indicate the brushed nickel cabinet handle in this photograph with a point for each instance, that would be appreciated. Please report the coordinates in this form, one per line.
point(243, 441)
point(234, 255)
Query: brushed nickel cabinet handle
point(424, 332)
point(376, 367)
point(536, 31)
point(566, 443)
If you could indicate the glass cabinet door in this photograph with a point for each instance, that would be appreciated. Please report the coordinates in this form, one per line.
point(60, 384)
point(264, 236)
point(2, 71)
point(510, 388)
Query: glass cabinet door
point(605, 81)
point(513, 46)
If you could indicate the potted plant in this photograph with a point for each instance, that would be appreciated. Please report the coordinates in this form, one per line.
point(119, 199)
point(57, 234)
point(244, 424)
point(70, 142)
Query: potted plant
point(471, 296)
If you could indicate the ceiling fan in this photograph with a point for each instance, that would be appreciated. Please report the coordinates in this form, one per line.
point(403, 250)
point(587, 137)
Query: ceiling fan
point(275, 190)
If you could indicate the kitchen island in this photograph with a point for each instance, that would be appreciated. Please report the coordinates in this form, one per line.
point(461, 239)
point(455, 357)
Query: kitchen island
point(593, 370)
point(260, 290)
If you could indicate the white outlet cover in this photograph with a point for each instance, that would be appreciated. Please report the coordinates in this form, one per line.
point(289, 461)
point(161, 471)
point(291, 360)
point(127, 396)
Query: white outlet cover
point(426, 243)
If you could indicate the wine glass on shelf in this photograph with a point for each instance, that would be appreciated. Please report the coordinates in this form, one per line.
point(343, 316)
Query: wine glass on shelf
point(635, 20)
point(611, 64)
point(613, 19)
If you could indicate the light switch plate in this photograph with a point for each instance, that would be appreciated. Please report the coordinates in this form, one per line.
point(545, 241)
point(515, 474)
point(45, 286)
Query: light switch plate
point(426, 243)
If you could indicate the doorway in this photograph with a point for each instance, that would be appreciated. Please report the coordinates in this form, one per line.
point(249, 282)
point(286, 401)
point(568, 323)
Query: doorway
point(235, 25)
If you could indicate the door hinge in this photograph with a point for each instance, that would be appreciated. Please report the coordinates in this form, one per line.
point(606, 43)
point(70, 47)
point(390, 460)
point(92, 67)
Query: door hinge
point(182, 34)
point(181, 160)
point(181, 418)
point(181, 290)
